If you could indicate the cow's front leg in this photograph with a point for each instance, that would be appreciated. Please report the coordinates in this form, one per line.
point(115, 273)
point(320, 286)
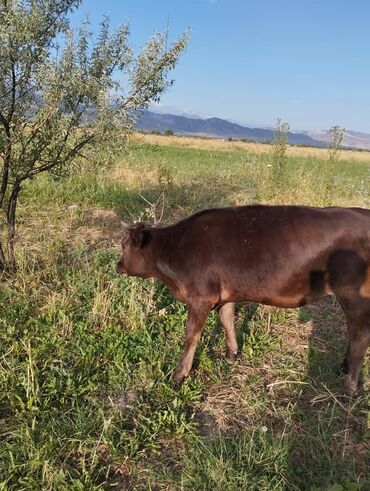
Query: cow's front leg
point(197, 316)
point(358, 322)
point(359, 340)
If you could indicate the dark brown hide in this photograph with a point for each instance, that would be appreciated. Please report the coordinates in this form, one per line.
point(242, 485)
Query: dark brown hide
point(285, 256)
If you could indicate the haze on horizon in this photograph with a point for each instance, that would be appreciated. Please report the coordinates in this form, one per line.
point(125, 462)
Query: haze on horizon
point(254, 61)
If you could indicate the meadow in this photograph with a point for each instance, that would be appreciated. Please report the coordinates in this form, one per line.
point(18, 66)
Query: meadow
point(86, 356)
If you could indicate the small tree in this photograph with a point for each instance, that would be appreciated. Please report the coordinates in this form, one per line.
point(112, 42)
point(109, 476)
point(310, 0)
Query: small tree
point(59, 91)
point(279, 146)
point(336, 137)
point(278, 155)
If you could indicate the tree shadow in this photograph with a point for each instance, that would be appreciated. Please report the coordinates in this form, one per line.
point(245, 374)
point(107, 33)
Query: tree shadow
point(101, 225)
point(172, 201)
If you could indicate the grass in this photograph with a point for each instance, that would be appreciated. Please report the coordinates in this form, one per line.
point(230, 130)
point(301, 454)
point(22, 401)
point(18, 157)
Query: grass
point(86, 356)
point(257, 148)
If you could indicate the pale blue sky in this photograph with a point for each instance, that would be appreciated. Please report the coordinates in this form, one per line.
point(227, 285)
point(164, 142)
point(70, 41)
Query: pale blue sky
point(306, 61)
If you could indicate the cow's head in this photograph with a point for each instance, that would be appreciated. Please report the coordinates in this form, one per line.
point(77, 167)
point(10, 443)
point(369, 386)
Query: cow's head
point(135, 259)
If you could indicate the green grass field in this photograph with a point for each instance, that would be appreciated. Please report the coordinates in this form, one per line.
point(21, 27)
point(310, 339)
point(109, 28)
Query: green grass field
point(86, 356)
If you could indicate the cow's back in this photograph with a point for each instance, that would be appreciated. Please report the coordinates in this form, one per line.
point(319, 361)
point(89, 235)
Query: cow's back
point(271, 254)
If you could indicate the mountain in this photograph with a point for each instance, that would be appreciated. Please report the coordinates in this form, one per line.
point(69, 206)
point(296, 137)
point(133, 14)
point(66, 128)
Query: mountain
point(351, 139)
point(217, 128)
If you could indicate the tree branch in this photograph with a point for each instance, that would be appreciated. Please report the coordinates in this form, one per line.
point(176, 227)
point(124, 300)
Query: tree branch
point(146, 81)
point(13, 88)
point(5, 123)
point(71, 153)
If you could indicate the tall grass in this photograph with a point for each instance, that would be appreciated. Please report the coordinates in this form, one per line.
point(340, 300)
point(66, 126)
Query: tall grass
point(86, 356)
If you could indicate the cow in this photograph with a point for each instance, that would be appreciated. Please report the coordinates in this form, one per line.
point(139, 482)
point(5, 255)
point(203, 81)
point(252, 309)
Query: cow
point(284, 256)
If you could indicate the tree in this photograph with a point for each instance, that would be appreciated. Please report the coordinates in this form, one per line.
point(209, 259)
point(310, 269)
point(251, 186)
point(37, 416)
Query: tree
point(62, 90)
point(336, 137)
point(279, 146)
point(279, 156)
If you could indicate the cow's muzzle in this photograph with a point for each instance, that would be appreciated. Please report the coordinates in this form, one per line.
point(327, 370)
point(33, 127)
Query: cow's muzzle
point(120, 269)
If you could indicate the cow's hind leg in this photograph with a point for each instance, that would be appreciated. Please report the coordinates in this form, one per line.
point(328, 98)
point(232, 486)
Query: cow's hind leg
point(227, 318)
point(345, 362)
point(197, 315)
point(358, 323)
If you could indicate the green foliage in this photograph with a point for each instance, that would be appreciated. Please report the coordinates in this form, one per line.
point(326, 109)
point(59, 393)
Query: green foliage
point(346, 486)
point(78, 383)
point(253, 461)
point(60, 92)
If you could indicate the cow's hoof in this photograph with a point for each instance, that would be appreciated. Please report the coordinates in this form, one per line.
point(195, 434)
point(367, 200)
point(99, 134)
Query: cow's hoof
point(231, 357)
point(349, 387)
point(344, 399)
point(179, 376)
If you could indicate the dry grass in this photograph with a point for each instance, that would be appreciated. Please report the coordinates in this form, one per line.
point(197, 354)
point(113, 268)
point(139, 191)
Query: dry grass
point(258, 148)
point(135, 177)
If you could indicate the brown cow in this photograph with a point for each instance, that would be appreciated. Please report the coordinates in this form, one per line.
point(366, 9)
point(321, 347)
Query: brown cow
point(285, 256)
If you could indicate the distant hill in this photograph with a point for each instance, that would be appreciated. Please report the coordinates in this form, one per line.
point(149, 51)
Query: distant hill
point(351, 139)
point(217, 128)
point(221, 128)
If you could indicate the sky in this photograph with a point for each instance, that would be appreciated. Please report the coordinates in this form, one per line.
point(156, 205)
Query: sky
point(253, 61)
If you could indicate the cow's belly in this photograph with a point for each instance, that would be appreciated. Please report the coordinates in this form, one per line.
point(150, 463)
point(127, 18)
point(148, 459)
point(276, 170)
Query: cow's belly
point(289, 294)
point(273, 300)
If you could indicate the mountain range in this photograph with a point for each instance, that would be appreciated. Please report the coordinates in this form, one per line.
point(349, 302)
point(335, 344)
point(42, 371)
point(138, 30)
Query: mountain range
point(221, 128)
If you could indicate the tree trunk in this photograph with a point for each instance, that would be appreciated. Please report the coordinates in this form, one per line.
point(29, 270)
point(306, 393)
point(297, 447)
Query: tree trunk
point(12, 206)
point(5, 176)
point(7, 158)
point(2, 259)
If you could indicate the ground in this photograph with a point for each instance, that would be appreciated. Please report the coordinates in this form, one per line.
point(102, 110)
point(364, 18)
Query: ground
point(87, 400)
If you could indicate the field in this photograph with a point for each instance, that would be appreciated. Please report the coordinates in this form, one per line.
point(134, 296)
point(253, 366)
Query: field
point(257, 148)
point(86, 356)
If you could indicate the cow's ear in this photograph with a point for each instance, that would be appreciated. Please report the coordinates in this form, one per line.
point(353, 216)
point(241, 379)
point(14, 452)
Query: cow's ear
point(140, 237)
